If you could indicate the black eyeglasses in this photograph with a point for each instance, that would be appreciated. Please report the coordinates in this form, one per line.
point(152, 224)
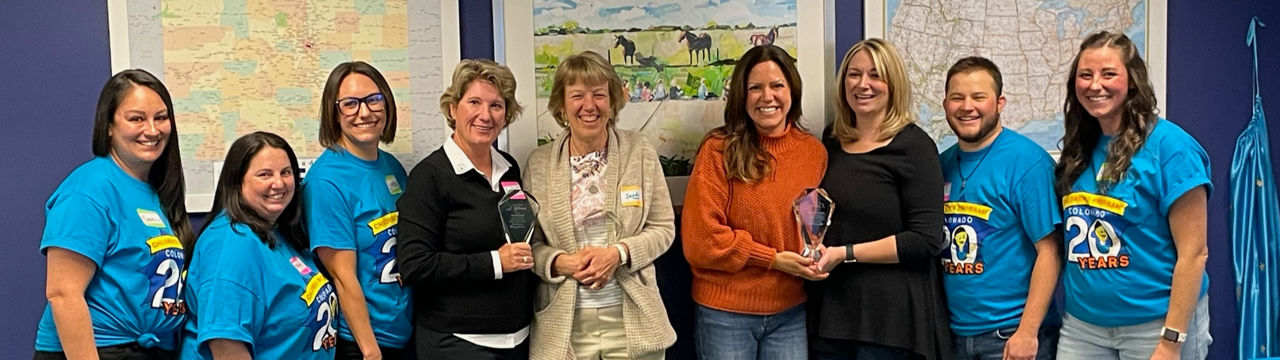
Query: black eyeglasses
point(351, 105)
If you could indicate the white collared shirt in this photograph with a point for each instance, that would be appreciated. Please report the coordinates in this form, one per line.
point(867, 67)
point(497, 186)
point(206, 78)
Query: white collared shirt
point(461, 165)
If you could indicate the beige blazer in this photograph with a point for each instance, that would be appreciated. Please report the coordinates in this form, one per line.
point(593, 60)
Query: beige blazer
point(647, 230)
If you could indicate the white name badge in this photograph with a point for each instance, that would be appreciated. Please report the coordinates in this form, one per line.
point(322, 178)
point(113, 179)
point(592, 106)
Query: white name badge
point(630, 196)
point(151, 218)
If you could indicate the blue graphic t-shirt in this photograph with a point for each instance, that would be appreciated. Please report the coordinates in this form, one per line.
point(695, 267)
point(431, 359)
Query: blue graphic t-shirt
point(351, 205)
point(1120, 251)
point(135, 295)
point(999, 203)
point(275, 301)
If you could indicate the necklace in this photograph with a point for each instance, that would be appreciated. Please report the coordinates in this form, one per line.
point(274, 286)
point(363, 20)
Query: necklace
point(964, 179)
point(590, 162)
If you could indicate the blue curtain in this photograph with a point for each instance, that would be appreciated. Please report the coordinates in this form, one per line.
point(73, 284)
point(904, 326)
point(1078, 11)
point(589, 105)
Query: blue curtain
point(1255, 229)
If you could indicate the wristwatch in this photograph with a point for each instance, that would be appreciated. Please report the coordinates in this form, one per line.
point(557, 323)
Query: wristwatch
point(848, 254)
point(1172, 335)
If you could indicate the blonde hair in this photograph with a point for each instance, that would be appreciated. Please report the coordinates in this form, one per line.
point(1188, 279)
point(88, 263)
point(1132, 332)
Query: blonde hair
point(889, 65)
point(471, 70)
point(588, 68)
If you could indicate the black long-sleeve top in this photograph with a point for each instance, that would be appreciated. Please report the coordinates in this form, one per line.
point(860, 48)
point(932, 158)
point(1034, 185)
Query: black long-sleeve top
point(892, 190)
point(449, 224)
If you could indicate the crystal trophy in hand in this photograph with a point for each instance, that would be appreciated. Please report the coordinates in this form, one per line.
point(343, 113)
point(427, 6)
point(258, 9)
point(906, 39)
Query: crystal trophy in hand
point(813, 216)
point(519, 212)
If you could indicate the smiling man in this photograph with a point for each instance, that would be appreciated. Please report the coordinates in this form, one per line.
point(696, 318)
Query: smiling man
point(1000, 219)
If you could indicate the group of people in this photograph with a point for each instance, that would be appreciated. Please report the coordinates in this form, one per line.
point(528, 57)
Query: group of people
point(1124, 206)
point(421, 266)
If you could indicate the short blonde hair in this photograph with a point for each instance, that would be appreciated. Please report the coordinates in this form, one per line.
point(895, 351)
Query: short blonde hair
point(471, 70)
point(590, 68)
point(889, 65)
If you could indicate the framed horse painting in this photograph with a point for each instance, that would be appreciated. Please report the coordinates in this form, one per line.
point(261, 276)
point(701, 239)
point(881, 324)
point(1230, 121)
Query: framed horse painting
point(674, 57)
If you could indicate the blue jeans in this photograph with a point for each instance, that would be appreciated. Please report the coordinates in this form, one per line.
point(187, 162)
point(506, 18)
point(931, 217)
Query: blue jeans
point(990, 345)
point(1081, 340)
point(723, 335)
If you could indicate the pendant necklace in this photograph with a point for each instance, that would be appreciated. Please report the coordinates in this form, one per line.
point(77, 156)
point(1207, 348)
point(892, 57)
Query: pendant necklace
point(964, 179)
point(592, 189)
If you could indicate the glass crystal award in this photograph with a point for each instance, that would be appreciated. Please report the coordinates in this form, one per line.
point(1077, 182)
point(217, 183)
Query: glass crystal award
point(519, 212)
point(813, 216)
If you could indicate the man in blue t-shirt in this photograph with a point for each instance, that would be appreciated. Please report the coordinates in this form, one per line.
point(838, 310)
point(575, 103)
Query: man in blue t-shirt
point(1000, 220)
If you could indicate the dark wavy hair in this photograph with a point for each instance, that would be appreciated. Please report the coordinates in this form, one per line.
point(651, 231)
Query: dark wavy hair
point(330, 129)
point(744, 157)
point(165, 176)
point(1083, 130)
point(227, 196)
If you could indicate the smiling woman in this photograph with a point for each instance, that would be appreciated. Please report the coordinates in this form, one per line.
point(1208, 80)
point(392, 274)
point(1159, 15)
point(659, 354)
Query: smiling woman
point(883, 242)
point(452, 244)
point(1118, 153)
point(742, 246)
point(608, 217)
point(115, 231)
point(351, 216)
point(250, 265)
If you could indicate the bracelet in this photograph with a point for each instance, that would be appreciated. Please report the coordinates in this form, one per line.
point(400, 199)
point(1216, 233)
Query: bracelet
point(622, 254)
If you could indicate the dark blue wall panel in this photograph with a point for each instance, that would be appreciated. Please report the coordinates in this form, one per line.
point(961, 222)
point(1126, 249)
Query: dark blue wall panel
point(1211, 96)
point(57, 59)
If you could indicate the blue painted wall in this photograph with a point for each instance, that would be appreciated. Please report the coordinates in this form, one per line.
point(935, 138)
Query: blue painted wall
point(57, 57)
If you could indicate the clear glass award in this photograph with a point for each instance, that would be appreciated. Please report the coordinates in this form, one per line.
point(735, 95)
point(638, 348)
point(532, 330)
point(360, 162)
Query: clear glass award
point(519, 212)
point(813, 216)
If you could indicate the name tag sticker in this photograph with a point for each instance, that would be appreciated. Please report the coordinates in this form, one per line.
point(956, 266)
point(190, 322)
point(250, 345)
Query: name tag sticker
point(151, 218)
point(300, 266)
point(509, 186)
point(630, 196)
point(393, 185)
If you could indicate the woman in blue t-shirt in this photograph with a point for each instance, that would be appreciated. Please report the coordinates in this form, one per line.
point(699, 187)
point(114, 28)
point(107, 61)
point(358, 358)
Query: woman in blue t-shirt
point(114, 233)
point(351, 216)
point(1134, 190)
point(255, 291)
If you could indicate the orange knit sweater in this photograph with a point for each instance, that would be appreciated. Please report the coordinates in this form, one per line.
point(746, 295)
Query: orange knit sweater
point(731, 230)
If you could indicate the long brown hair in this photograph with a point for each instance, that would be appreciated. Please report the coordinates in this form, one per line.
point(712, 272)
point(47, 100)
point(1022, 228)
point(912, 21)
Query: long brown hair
point(1083, 130)
point(744, 157)
point(165, 177)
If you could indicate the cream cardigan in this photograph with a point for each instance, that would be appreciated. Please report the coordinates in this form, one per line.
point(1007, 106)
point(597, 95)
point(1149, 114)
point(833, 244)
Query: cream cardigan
point(647, 230)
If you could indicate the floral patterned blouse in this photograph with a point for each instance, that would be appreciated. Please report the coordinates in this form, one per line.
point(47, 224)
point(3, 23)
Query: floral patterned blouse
point(587, 198)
